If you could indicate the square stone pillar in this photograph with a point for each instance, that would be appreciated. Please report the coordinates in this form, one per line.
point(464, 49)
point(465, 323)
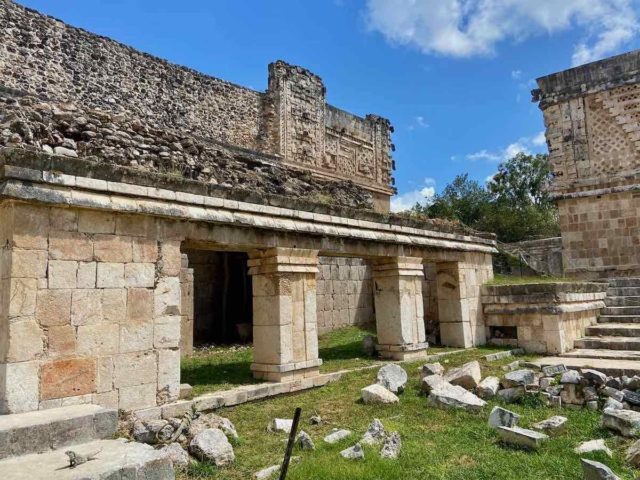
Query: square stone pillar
point(399, 309)
point(459, 299)
point(285, 335)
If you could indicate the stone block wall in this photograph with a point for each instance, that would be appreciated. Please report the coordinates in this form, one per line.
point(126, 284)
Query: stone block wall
point(541, 318)
point(344, 293)
point(95, 313)
point(542, 256)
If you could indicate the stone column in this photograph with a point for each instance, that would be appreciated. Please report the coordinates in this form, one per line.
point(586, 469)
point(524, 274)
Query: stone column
point(399, 308)
point(285, 336)
point(186, 304)
point(459, 302)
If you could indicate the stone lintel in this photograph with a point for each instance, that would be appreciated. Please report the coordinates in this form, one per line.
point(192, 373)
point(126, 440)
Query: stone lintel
point(286, 367)
point(398, 266)
point(282, 260)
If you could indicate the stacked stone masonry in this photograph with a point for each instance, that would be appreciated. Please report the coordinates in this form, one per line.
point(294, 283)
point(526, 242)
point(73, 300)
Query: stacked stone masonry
point(129, 103)
point(592, 118)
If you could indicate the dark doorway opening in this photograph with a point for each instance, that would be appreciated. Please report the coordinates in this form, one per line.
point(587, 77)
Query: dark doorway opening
point(222, 297)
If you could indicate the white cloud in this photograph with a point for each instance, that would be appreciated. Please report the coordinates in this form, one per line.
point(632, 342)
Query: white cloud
point(407, 200)
point(539, 140)
point(484, 155)
point(466, 28)
point(516, 74)
point(420, 122)
point(525, 145)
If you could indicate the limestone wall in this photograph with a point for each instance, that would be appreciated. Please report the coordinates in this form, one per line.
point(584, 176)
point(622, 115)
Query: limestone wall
point(541, 255)
point(94, 315)
point(541, 318)
point(173, 114)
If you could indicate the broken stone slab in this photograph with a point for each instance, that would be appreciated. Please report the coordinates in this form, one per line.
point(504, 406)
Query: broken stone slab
point(337, 435)
point(501, 417)
point(592, 470)
point(353, 453)
point(553, 370)
point(377, 394)
point(267, 473)
point(613, 404)
point(631, 397)
point(572, 377)
point(304, 441)
point(518, 378)
point(488, 388)
point(511, 366)
point(571, 394)
point(281, 425)
point(613, 393)
point(152, 431)
point(392, 377)
point(521, 437)
point(510, 395)
point(374, 434)
point(632, 383)
point(625, 422)
point(467, 376)
point(615, 382)
point(315, 420)
point(592, 405)
point(431, 369)
point(212, 445)
point(633, 454)
point(392, 446)
point(594, 376)
point(593, 446)
point(553, 424)
point(454, 396)
point(590, 394)
point(211, 420)
point(178, 455)
point(430, 382)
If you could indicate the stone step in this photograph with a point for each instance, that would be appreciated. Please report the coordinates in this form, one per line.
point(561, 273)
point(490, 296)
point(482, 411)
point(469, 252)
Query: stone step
point(624, 282)
point(44, 430)
point(629, 301)
point(609, 343)
point(603, 354)
point(116, 459)
point(611, 367)
point(614, 330)
point(621, 311)
point(619, 319)
point(623, 291)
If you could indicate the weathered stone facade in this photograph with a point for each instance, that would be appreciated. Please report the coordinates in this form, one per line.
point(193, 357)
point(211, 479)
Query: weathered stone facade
point(592, 115)
point(539, 256)
point(129, 108)
point(541, 317)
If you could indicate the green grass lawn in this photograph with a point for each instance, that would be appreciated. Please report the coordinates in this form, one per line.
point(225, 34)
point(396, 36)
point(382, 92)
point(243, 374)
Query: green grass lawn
point(225, 367)
point(516, 280)
point(436, 444)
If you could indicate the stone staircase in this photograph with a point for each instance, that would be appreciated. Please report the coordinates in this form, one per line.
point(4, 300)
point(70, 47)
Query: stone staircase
point(33, 446)
point(613, 344)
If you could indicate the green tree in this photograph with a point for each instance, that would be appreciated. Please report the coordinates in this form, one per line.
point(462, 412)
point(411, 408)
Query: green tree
point(522, 180)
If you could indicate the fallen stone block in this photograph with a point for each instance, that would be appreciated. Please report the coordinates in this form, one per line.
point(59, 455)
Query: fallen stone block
point(552, 425)
point(518, 378)
point(377, 394)
point(454, 396)
point(510, 395)
point(593, 446)
point(281, 425)
point(631, 397)
point(392, 446)
point(467, 376)
point(521, 437)
point(488, 388)
point(431, 369)
point(553, 370)
point(594, 376)
point(392, 377)
point(633, 454)
point(353, 453)
point(592, 470)
point(211, 420)
point(266, 473)
point(571, 394)
point(613, 404)
point(571, 377)
point(430, 382)
point(374, 434)
point(613, 393)
point(178, 455)
point(304, 441)
point(337, 435)
point(501, 417)
point(213, 446)
point(625, 422)
point(151, 431)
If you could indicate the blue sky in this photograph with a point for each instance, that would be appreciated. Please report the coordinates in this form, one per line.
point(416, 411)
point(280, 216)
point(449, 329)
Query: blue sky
point(453, 76)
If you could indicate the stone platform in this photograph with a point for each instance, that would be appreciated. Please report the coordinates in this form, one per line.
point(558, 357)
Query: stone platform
point(117, 459)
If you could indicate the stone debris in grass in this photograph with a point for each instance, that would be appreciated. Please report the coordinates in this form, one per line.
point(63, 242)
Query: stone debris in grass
point(555, 401)
point(454, 396)
point(353, 453)
point(281, 425)
point(178, 455)
point(592, 470)
point(152, 431)
point(467, 376)
point(615, 382)
point(521, 437)
point(593, 446)
point(571, 377)
point(590, 394)
point(631, 397)
point(315, 420)
point(613, 404)
point(554, 424)
point(613, 393)
point(392, 446)
point(377, 394)
point(304, 441)
point(624, 422)
point(431, 369)
point(592, 405)
point(501, 417)
point(267, 473)
point(510, 395)
point(511, 366)
point(211, 420)
point(594, 376)
point(546, 382)
point(392, 377)
point(553, 370)
point(631, 383)
point(518, 378)
point(430, 382)
point(374, 434)
point(488, 388)
point(213, 446)
point(633, 454)
point(572, 394)
point(336, 435)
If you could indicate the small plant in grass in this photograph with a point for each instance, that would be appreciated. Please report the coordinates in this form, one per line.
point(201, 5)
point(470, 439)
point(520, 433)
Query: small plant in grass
point(532, 400)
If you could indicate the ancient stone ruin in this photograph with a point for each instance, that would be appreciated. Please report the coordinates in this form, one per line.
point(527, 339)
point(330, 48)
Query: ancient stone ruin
point(145, 207)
